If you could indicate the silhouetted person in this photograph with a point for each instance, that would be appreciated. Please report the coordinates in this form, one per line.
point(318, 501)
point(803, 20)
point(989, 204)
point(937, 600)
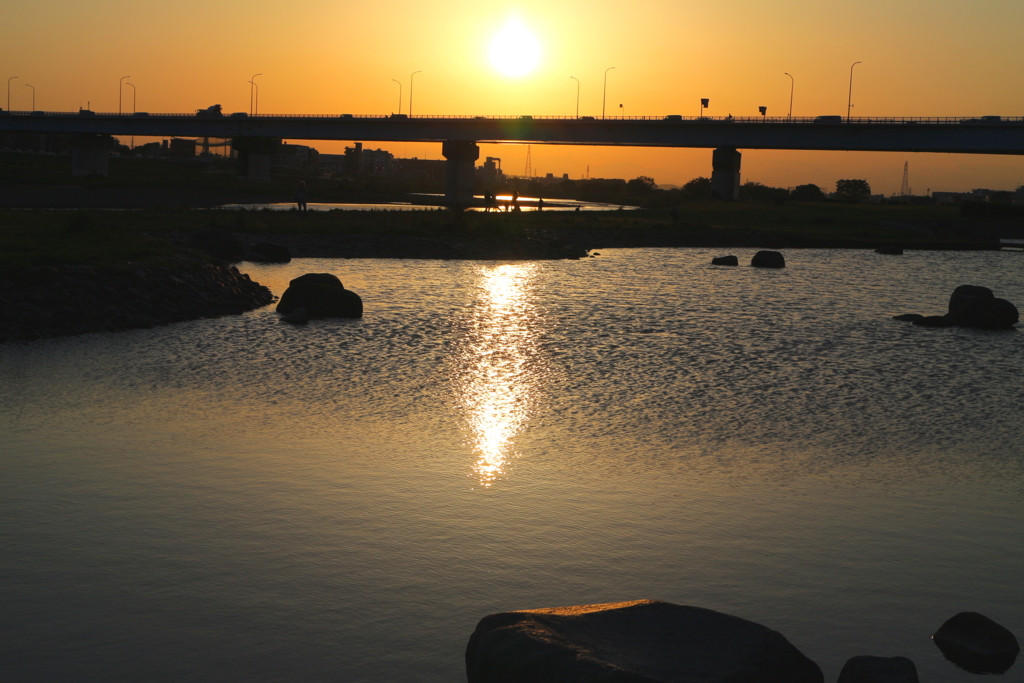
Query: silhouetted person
point(540, 204)
point(300, 197)
point(515, 200)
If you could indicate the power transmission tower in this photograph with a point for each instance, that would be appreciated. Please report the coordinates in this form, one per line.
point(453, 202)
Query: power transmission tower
point(529, 163)
point(905, 187)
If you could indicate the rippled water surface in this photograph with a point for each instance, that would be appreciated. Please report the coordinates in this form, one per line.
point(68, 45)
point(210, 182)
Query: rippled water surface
point(242, 500)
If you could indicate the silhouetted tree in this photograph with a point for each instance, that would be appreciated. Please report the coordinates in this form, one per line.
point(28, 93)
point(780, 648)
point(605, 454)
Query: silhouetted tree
point(854, 191)
point(698, 188)
point(807, 193)
point(641, 186)
point(757, 192)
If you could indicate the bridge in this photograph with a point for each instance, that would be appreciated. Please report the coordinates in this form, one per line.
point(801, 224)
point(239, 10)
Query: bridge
point(256, 136)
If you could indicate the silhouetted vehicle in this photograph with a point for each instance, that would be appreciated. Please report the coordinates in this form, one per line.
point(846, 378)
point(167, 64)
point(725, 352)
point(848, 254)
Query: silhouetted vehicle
point(239, 115)
point(213, 112)
point(37, 113)
point(399, 116)
point(4, 112)
point(829, 119)
point(984, 119)
point(86, 112)
point(141, 114)
point(526, 118)
point(345, 116)
point(674, 117)
point(586, 118)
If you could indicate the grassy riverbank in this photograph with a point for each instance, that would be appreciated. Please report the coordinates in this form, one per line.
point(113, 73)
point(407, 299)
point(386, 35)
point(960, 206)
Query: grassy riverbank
point(44, 237)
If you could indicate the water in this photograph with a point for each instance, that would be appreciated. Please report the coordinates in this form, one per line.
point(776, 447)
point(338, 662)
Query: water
point(242, 500)
point(504, 203)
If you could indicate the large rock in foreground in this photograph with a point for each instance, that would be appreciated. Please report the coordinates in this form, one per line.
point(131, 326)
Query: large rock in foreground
point(977, 644)
point(322, 295)
point(768, 259)
point(973, 306)
point(645, 641)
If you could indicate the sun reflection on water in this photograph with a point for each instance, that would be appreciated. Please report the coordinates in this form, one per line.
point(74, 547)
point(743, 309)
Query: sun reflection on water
point(500, 366)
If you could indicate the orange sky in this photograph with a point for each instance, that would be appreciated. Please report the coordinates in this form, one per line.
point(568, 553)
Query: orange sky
point(941, 58)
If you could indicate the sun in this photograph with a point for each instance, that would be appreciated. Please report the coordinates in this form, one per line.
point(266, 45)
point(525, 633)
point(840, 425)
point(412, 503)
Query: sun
point(514, 50)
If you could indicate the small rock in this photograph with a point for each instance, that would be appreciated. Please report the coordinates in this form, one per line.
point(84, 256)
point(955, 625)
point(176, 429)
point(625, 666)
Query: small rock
point(933, 321)
point(977, 644)
point(908, 317)
point(866, 669)
point(725, 261)
point(768, 259)
point(974, 306)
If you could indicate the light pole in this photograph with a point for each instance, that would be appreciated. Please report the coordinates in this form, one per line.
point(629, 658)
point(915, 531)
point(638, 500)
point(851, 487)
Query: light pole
point(704, 102)
point(792, 85)
point(849, 99)
point(252, 87)
point(622, 111)
point(120, 87)
point(134, 92)
point(410, 90)
point(33, 95)
point(577, 95)
point(399, 94)
point(9, 92)
point(604, 94)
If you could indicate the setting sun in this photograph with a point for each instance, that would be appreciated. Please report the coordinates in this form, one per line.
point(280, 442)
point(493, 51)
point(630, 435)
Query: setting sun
point(514, 50)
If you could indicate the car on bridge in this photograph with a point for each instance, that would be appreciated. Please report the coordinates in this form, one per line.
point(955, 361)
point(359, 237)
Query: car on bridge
point(828, 119)
point(213, 112)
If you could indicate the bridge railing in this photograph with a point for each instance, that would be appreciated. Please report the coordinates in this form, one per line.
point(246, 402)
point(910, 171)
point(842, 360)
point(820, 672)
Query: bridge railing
point(671, 119)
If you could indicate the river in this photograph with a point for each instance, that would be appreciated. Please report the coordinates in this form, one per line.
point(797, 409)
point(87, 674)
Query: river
point(237, 499)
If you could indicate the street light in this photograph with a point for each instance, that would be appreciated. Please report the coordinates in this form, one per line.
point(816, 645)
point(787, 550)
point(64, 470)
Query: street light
point(704, 102)
point(577, 95)
point(134, 92)
point(622, 113)
point(120, 87)
point(764, 113)
point(399, 94)
point(849, 100)
point(604, 95)
point(9, 92)
point(253, 86)
point(792, 85)
point(410, 90)
point(33, 95)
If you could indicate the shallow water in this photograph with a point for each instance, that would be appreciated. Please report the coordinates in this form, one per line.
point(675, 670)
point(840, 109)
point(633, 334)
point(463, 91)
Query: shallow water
point(242, 500)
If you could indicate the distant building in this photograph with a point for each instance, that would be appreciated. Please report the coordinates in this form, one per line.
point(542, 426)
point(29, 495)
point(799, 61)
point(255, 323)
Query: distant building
point(300, 157)
point(490, 173)
point(181, 148)
point(421, 169)
point(51, 143)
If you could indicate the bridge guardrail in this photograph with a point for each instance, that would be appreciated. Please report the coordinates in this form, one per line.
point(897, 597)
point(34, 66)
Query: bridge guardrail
point(934, 120)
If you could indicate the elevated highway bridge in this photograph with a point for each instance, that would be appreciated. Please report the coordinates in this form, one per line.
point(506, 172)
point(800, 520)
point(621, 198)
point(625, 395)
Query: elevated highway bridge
point(255, 136)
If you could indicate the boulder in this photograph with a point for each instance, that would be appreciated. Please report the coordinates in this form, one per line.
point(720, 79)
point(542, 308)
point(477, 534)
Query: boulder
point(644, 641)
point(267, 252)
point(891, 250)
point(977, 644)
point(768, 259)
point(878, 670)
point(300, 316)
point(322, 295)
point(218, 243)
point(725, 261)
point(973, 306)
point(933, 321)
point(908, 317)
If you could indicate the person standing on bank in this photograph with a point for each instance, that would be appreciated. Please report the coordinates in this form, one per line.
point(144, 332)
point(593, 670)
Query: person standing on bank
point(300, 197)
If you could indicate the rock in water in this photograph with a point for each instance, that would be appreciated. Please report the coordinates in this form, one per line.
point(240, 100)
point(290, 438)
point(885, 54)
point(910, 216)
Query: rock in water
point(644, 641)
point(218, 243)
point(725, 261)
point(973, 306)
point(908, 317)
point(878, 670)
point(322, 295)
point(933, 321)
point(768, 259)
point(268, 252)
point(977, 644)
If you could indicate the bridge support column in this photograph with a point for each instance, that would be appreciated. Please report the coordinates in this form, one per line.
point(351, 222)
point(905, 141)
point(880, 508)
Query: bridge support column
point(459, 171)
point(90, 154)
point(725, 174)
point(254, 157)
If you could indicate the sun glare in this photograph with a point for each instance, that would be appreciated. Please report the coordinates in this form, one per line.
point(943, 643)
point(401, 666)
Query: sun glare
point(514, 50)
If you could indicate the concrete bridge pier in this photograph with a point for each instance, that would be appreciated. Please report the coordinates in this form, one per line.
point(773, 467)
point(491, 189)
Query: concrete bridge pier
point(725, 174)
point(254, 157)
point(460, 171)
point(90, 154)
